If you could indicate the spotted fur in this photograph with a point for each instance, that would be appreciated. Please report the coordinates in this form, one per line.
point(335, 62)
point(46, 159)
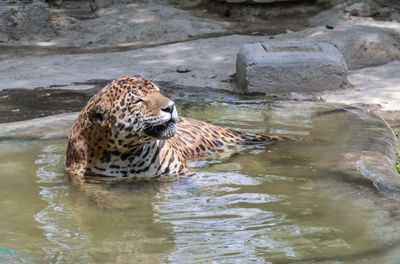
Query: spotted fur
point(129, 130)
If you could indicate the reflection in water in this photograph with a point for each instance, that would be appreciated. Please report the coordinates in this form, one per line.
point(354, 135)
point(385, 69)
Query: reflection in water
point(229, 222)
point(57, 220)
point(221, 223)
point(77, 231)
point(266, 203)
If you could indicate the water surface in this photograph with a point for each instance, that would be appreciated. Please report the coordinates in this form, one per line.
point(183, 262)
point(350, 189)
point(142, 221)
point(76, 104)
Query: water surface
point(266, 203)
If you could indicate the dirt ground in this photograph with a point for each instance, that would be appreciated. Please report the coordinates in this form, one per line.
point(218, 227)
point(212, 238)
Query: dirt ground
point(194, 43)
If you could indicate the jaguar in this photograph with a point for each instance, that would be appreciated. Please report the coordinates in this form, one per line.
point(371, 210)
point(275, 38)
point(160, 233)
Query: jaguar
point(129, 130)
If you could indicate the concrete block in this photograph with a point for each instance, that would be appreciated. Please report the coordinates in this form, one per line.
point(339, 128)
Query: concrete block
point(286, 67)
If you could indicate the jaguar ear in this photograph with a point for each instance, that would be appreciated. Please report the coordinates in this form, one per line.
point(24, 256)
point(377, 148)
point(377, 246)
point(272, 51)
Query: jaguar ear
point(98, 114)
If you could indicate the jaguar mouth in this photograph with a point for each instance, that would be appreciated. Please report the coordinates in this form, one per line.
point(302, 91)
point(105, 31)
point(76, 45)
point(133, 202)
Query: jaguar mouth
point(162, 130)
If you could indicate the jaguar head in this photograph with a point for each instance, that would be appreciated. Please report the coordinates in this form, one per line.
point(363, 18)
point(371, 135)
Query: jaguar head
point(133, 109)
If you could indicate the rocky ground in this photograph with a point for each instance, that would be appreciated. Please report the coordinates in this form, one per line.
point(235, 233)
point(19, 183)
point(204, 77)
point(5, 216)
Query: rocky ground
point(195, 43)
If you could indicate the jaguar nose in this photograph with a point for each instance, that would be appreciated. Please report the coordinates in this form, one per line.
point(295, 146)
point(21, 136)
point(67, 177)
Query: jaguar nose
point(169, 108)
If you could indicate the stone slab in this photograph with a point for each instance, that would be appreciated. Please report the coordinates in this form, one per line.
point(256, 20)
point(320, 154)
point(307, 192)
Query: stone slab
point(211, 61)
point(372, 86)
point(286, 67)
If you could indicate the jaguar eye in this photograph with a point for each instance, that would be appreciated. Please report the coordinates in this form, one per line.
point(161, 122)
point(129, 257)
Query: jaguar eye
point(137, 100)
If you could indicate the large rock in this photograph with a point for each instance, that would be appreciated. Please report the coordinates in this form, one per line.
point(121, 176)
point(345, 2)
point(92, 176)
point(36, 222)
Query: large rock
point(26, 22)
point(289, 67)
point(139, 24)
point(362, 41)
point(3, 36)
point(361, 9)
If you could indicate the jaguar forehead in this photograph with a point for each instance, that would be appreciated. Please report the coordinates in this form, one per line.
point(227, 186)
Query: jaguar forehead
point(136, 85)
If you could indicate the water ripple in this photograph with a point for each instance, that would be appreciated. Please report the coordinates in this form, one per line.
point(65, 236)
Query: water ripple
point(66, 243)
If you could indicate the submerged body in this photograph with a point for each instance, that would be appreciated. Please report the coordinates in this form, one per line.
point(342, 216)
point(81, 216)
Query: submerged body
point(129, 130)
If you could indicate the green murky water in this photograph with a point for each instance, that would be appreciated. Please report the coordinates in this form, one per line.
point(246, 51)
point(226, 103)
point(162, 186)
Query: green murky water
point(269, 203)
